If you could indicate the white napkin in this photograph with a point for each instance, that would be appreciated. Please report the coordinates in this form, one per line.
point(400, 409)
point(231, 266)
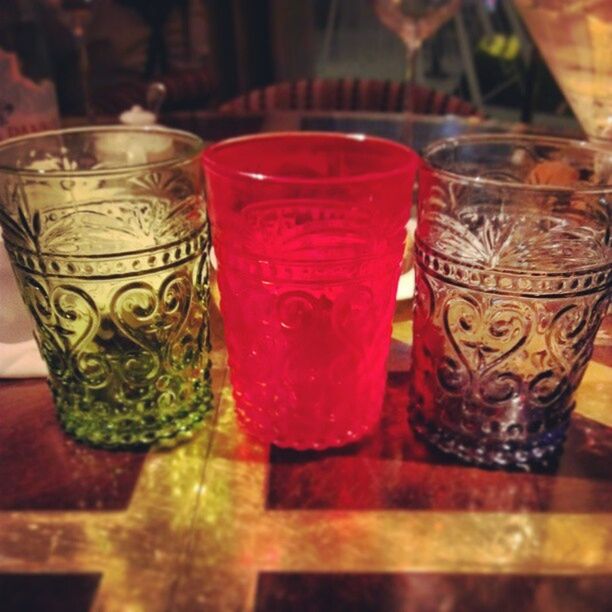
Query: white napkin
point(21, 360)
point(405, 287)
point(19, 356)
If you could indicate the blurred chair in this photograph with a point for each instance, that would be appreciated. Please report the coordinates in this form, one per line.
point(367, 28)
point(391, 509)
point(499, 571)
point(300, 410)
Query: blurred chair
point(350, 95)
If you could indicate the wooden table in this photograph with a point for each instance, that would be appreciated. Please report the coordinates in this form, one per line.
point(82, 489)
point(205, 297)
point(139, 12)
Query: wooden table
point(225, 523)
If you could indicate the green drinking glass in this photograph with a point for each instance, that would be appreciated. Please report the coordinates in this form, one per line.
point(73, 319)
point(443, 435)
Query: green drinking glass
point(108, 237)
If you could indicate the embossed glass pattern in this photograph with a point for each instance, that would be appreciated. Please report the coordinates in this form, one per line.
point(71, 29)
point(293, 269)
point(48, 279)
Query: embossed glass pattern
point(514, 272)
point(107, 234)
point(309, 231)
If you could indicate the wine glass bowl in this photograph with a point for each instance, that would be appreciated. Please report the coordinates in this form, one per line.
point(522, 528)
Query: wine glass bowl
point(414, 21)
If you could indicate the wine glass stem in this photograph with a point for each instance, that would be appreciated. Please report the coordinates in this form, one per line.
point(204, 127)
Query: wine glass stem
point(411, 75)
point(411, 64)
point(409, 105)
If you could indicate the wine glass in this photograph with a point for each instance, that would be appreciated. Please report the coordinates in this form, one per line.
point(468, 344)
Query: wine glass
point(414, 21)
point(574, 39)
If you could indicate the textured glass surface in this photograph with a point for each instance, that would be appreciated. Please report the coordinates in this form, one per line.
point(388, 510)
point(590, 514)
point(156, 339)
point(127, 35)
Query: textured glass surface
point(513, 280)
point(108, 238)
point(309, 232)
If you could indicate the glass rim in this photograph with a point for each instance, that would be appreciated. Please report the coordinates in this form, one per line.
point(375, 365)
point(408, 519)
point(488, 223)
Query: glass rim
point(226, 170)
point(511, 138)
point(195, 152)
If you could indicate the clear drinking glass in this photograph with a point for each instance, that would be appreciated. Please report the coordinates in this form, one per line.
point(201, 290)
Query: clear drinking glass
point(514, 271)
point(309, 232)
point(108, 238)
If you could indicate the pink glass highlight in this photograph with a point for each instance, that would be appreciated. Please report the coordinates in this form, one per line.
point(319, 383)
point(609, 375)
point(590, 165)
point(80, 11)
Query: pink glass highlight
point(308, 229)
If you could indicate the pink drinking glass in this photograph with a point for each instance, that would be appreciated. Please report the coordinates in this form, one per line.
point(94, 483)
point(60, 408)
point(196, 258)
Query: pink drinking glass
point(308, 229)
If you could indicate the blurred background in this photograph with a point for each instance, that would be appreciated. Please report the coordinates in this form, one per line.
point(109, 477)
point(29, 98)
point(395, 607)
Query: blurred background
point(103, 54)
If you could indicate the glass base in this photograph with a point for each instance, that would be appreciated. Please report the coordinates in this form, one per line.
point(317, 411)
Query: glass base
point(135, 431)
point(302, 443)
point(540, 453)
